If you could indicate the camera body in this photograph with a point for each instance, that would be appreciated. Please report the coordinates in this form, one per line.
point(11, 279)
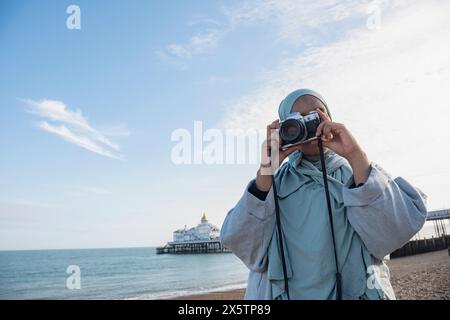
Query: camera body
point(298, 129)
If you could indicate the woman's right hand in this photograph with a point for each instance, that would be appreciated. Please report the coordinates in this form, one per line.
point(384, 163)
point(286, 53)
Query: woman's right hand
point(271, 158)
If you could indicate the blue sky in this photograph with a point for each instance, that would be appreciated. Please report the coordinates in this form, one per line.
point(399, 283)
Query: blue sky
point(138, 70)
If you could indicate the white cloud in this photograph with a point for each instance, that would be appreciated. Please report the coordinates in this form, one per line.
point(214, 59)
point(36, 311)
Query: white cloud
point(96, 191)
point(198, 44)
point(203, 20)
point(390, 86)
point(295, 19)
point(79, 140)
point(297, 22)
point(73, 127)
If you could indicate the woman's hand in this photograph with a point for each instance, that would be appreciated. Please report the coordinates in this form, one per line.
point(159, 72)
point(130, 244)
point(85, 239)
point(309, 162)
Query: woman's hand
point(271, 156)
point(339, 139)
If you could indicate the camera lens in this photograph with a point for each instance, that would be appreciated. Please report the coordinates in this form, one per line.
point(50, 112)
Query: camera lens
point(292, 131)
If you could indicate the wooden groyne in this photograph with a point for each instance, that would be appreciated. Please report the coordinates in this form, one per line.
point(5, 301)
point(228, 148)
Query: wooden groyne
point(422, 246)
point(211, 246)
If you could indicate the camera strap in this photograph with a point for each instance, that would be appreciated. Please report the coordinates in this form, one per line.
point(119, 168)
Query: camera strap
point(280, 237)
point(330, 216)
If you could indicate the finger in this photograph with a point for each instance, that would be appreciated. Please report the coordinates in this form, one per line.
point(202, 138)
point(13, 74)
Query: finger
point(274, 133)
point(274, 137)
point(268, 131)
point(272, 127)
point(331, 128)
point(275, 144)
point(320, 128)
point(327, 130)
point(275, 124)
point(264, 150)
point(338, 128)
point(316, 141)
point(266, 146)
point(324, 116)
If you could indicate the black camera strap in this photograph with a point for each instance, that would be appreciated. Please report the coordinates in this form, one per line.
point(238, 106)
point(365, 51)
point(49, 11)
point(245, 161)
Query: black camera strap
point(280, 237)
point(330, 216)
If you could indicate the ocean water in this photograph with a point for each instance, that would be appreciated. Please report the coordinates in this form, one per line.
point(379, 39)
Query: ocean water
point(131, 273)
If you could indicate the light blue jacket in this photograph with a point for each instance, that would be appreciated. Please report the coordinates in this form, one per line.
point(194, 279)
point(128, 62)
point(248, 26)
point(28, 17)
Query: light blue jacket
point(385, 213)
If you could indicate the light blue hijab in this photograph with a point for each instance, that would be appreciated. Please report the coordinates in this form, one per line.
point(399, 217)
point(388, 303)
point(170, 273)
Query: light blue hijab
point(306, 229)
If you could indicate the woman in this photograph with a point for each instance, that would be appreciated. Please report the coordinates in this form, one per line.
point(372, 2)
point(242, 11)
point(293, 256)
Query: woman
point(372, 213)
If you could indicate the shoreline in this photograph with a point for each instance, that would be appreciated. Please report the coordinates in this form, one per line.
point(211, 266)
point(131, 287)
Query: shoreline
point(424, 276)
point(225, 291)
point(233, 294)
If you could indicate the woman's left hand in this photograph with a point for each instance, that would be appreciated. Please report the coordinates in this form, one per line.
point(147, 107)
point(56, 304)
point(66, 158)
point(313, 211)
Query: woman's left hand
point(339, 139)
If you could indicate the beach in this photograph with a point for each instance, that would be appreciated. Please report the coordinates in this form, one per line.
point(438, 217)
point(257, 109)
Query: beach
point(418, 277)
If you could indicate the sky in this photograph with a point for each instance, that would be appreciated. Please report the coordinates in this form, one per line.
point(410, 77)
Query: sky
point(87, 115)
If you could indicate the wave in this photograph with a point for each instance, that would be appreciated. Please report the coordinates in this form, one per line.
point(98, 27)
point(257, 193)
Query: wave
point(188, 292)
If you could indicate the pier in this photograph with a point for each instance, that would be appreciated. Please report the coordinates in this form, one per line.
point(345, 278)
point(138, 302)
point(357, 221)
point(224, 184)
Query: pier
point(210, 246)
point(204, 238)
point(440, 241)
point(423, 245)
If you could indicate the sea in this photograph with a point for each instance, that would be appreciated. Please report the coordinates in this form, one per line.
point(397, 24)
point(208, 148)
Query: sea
point(126, 273)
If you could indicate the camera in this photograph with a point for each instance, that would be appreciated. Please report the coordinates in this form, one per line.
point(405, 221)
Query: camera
point(298, 129)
